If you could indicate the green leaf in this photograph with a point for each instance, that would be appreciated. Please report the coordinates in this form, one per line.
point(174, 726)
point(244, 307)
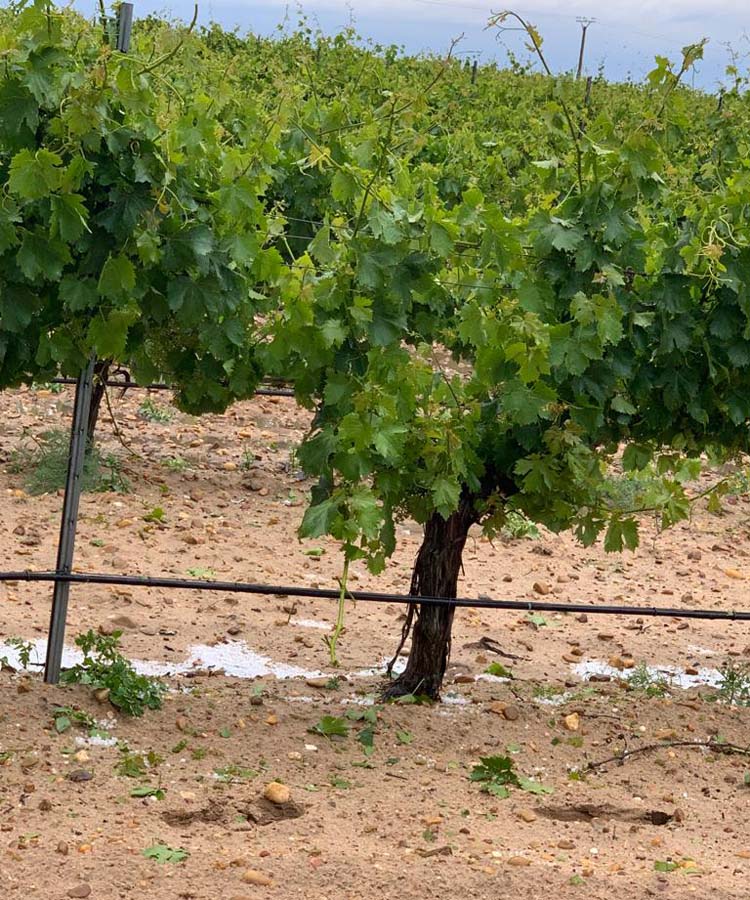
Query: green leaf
point(534, 787)
point(68, 217)
point(161, 853)
point(34, 175)
point(78, 293)
point(621, 533)
point(665, 866)
point(383, 224)
point(108, 335)
point(41, 257)
point(330, 726)
point(318, 519)
point(446, 493)
point(117, 278)
point(62, 724)
point(146, 790)
point(498, 670)
point(497, 790)
point(636, 457)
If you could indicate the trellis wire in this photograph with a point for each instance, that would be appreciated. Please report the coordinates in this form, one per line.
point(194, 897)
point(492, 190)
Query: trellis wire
point(160, 386)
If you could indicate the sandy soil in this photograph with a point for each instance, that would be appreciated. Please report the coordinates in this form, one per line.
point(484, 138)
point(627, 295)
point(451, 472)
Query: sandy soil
point(405, 822)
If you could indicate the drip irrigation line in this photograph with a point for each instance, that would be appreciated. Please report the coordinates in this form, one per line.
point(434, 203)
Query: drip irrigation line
point(240, 587)
point(158, 386)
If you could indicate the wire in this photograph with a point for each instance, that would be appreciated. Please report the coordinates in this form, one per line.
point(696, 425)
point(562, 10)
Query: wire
point(158, 386)
point(239, 587)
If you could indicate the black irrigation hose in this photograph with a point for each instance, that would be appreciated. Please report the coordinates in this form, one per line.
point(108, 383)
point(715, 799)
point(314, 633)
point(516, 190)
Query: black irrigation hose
point(239, 587)
point(158, 386)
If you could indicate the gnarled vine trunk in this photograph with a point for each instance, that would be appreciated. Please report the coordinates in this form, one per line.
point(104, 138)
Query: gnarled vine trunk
point(435, 574)
point(101, 374)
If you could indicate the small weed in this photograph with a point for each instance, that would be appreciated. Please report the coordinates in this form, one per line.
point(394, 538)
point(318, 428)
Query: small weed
point(65, 717)
point(136, 765)
point(247, 461)
point(548, 691)
point(200, 572)
point(651, 684)
point(48, 386)
point(333, 683)
point(155, 412)
point(498, 670)
point(175, 464)
point(734, 685)
point(517, 526)
point(180, 746)
point(497, 774)
point(45, 467)
point(341, 783)
point(104, 666)
point(235, 773)
point(24, 648)
point(404, 737)
point(156, 515)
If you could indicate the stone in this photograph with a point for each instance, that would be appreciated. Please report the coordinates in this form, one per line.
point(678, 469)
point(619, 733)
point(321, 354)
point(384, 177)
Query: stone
point(254, 876)
point(526, 815)
point(541, 587)
point(80, 775)
point(572, 721)
point(122, 621)
point(80, 890)
point(277, 793)
point(566, 844)
point(320, 681)
point(519, 861)
point(511, 713)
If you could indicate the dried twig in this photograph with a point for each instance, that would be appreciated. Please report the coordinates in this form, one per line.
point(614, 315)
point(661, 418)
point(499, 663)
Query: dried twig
point(710, 744)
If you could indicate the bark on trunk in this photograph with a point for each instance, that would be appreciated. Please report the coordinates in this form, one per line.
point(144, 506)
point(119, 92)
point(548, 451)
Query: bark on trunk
point(101, 373)
point(435, 574)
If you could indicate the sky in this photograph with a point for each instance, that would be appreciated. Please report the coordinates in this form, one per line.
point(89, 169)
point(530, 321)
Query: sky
point(624, 39)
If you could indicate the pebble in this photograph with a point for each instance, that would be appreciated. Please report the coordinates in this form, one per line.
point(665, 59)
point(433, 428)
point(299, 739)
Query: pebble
point(80, 890)
point(277, 793)
point(526, 815)
point(62, 848)
point(80, 775)
point(511, 713)
point(254, 876)
point(541, 587)
point(572, 722)
point(320, 681)
point(566, 844)
point(519, 861)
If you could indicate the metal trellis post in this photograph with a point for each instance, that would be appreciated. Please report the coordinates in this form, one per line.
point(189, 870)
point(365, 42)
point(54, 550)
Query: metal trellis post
point(124, 26)
point(69, 522)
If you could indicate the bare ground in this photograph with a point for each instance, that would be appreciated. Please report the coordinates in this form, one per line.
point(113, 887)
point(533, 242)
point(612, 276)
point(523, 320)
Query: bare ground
point(405, 822)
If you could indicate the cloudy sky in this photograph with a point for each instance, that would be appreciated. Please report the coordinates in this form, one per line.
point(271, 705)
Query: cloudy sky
point(624, 39)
